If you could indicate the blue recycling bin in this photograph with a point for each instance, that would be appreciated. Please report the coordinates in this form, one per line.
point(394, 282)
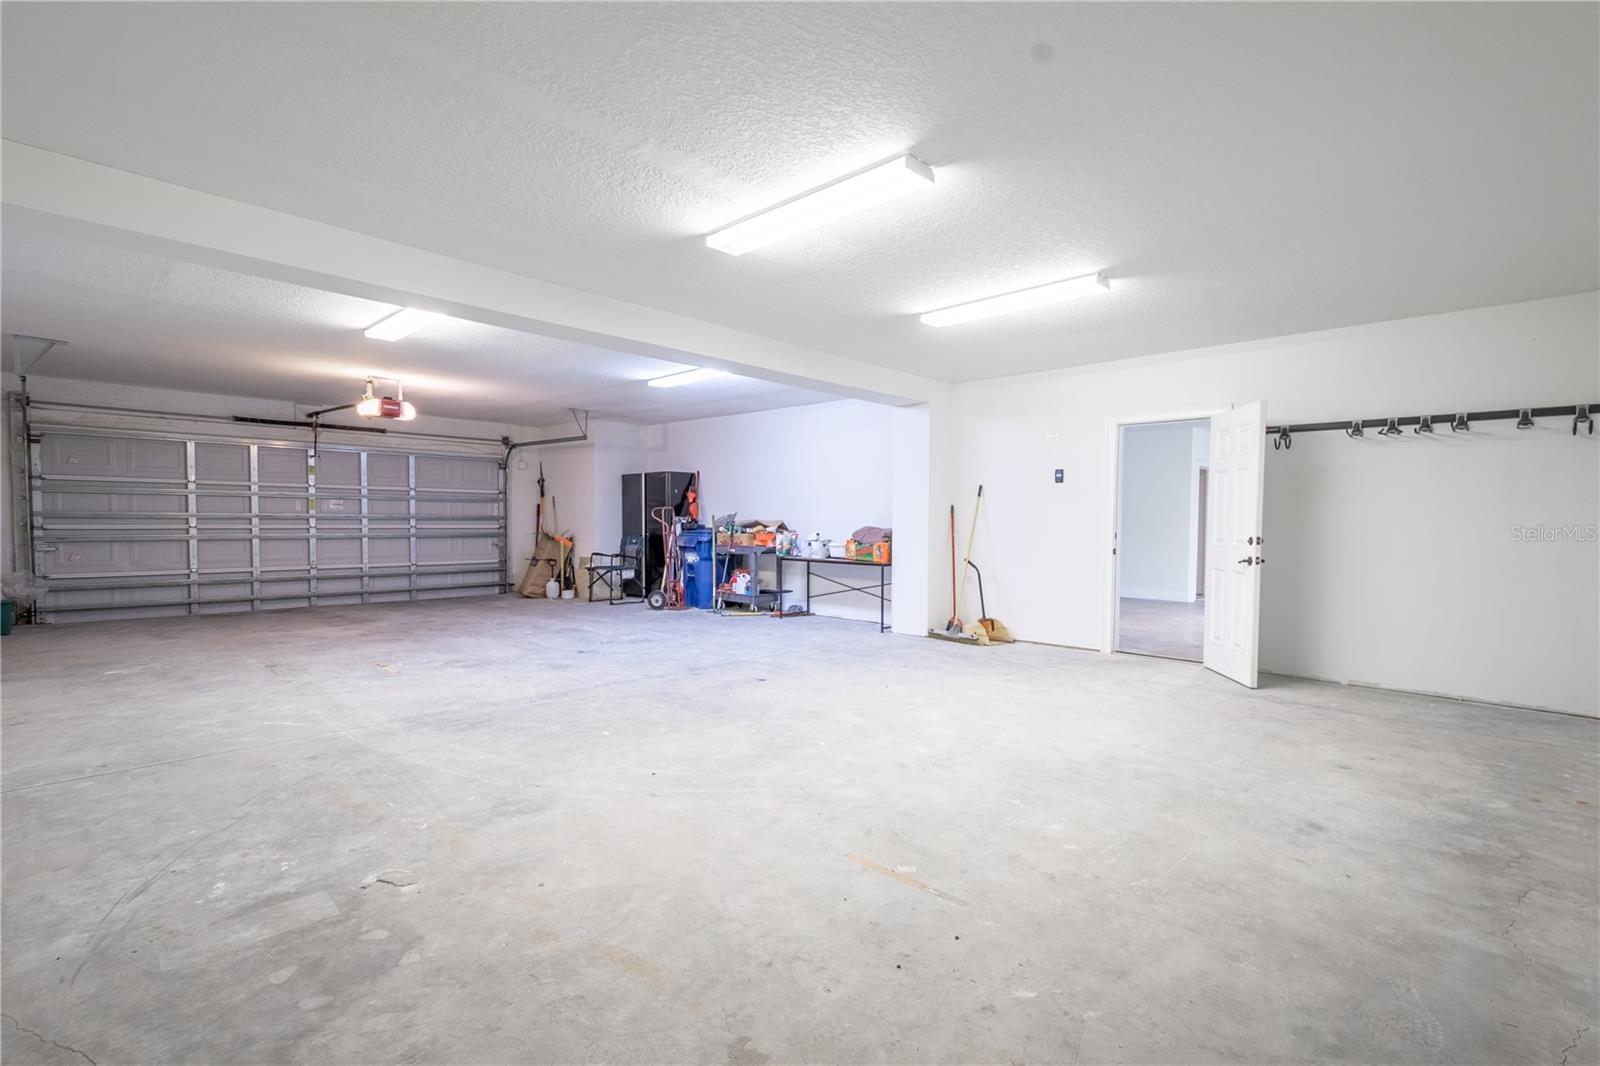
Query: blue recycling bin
point(699, 583)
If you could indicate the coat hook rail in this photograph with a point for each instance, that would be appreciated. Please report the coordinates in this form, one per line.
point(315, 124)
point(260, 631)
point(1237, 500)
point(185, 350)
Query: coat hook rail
point(1458, 421)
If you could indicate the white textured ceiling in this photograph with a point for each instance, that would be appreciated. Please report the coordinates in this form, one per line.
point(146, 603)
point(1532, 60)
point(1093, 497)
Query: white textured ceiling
point(1243, 170)
point(136, 319)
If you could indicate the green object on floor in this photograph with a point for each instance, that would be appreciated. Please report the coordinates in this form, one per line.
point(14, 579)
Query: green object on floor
point(7, 610)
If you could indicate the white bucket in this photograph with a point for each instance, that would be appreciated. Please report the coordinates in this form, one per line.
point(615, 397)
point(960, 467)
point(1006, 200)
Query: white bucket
point(569, 594)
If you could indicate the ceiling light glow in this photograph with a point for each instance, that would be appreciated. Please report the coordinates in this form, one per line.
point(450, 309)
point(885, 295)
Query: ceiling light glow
point(402, 323)
point(1022, 300)
point(684, 377)
point(870, 187)
point(396, 407)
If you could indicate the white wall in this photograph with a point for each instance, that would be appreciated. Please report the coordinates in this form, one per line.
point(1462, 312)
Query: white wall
point(569, 484)
point(1390, 562)
point(914, 477)
point(826, 468)
point(583, 478)
point(1156, 533)
point(618, 449)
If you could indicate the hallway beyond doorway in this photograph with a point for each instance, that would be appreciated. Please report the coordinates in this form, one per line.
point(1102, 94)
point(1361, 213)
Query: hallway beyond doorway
point(1168, 628)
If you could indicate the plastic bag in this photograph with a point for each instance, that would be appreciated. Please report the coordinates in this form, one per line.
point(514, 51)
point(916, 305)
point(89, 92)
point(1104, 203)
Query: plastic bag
point(22, 587)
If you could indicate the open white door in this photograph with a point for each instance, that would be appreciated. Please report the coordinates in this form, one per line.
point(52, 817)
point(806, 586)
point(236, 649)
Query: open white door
point(1233, 542)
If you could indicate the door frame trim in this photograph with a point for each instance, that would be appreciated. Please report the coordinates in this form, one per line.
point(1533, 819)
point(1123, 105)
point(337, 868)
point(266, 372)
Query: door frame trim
point(1110, 603)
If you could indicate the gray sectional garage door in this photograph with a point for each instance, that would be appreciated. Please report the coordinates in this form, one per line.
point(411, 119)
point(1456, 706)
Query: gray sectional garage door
point(126, 525)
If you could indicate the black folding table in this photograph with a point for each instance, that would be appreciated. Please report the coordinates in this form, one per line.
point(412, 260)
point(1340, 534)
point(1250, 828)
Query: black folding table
point(879, 591)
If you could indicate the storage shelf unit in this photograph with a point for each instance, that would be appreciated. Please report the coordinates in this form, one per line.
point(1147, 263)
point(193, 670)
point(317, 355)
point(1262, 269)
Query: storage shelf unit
point(763, 597)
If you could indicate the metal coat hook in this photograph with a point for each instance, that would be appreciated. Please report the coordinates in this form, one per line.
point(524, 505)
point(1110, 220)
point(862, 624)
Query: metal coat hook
point(1582, 415)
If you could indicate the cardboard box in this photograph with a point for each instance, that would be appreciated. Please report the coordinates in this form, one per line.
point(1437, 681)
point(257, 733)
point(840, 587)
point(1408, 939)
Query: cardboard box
point(876, 552)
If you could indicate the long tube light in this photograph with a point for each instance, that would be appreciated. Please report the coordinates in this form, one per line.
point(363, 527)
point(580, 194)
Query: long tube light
point(1006, 303)
point(402, 323)
point(684, 377)
point(836, 200)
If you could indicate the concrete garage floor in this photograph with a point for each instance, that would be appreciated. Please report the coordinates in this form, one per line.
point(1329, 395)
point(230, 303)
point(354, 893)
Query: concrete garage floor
point(1162, 627)
point(517, 831)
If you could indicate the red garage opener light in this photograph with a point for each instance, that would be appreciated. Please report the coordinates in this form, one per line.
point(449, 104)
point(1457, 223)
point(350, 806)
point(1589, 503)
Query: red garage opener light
point(395, 407)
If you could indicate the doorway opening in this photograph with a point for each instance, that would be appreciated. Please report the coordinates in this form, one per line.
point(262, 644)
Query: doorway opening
point(1162, 486)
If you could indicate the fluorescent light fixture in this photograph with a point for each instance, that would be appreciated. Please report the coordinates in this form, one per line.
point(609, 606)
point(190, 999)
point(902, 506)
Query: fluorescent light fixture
point(1054, 292)
point(844, 197)
point(402, 323)
point(683, 377)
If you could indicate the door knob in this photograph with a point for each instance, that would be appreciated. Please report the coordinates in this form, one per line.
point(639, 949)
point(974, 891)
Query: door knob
point(1248, 561)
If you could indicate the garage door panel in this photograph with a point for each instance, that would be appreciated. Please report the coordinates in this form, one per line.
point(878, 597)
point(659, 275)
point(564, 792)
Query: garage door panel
point(225, 596)
point(338, 511)
point(457, 550)
point(214, 504)
point(214, 555)
point(441, 474)
point(105, 604)
point(222, 463)
point(286, 553)
point(92, 499)
point(88, 456)
point(338, 469)
point(283, 506)
point(338, 552)
point(281, 466)
point(455, 508)
point(122, 530)
point(388, 471)
point(394, 552)
point(85, 558)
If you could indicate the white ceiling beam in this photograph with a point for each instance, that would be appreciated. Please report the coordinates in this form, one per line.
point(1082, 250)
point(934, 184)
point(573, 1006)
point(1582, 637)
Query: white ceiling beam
point(156, 216)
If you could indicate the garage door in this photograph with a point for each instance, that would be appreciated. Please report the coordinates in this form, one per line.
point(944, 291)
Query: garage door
point(136, 525)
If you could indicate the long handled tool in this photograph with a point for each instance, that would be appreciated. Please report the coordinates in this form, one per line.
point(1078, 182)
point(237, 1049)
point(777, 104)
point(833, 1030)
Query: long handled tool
point(530, 584)
point(953, 627)
point(972, 534)
point(953, 630)
point(992, 627)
